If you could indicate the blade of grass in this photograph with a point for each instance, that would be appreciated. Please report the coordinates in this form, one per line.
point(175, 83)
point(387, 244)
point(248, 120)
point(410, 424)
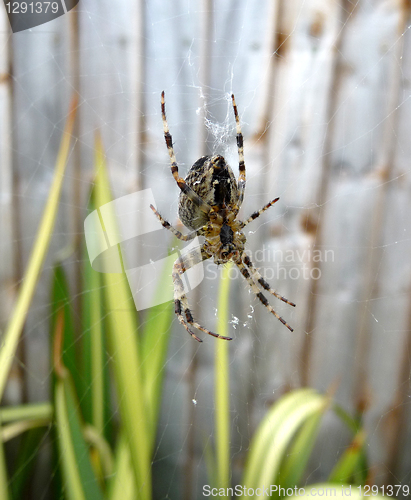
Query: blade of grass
point(297, 457)
point(60, 302)
point(210, 462)
point(352, 423)
point(266, 430)
point(4, 490)
point(154, 345)
point(346, 467)
point(97, 355)
point(124, 348)
point(94, 352)
point(222, 391)
point(122, 484)
point(275, 433)
point(13, 430)
point(24, 412)
point(79, 479)
point(95, 367)
point(95, 438)
point(15, 326)
point(26, 459)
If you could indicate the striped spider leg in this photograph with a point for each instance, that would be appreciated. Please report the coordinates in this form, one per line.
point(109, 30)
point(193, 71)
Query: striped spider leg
point(187, 190)
point(241, 164)
point(167, 225)
point(260, 295)
point(257, 214)
point(181, 265)
point(255, 276)
point(258, 278)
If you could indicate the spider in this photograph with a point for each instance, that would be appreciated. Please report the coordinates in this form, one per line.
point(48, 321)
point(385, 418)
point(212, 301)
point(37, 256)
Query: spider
point(210, 200)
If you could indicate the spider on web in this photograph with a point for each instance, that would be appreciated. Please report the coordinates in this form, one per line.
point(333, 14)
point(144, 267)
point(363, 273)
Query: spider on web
point(210, 200)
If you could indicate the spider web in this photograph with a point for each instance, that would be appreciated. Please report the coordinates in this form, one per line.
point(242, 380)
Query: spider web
point(323, 92)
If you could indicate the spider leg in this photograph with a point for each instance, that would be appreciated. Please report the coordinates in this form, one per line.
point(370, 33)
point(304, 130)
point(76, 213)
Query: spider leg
point(167, 225)
point(181, 265)
point(260, 296)
point(257, 277)
point(241, 164)
point(256, 214)
point(204, 207)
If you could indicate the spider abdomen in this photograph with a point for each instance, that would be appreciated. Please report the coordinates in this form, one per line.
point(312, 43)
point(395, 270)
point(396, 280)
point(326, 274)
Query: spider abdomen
point(213, 180)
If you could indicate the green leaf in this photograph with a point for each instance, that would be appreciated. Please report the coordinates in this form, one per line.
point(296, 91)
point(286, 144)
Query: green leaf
point(13, 430)
point(295, 462)
point(222, 384)
point(24, 412)
point(347, 466)
point(124, 346)
point(79, 479)
point(154, 345)
point(122, 484)
point(4, 490)
point(26, 459)
point(60, 302)
point(80, 482)
point(275, 434)
point(210, 462)
point(352, 423)
point(15, 326)
point(95, 365)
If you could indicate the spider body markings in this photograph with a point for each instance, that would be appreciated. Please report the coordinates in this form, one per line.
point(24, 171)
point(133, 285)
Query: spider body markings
point(210, 200)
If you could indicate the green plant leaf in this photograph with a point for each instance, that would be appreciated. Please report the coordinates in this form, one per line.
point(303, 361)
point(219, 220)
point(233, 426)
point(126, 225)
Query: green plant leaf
point(20, 419)
point(296, 459)
point(222, 384)
point(25, 461)
point(60, 302)
point(80, 482)
point(15, 326)
point(347, 466)
point(24, 412)
point(4, 490)
point(154, 345)
point(13, 430)
point(124, 346)
point(79, 479)
point(275, 434)
point(352, 423)
point(122, 484)
point(95, 366)
point(210, 461)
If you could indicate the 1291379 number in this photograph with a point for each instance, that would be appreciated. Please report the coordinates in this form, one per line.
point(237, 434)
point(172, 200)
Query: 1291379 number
point(389, 490)
point(32, 7)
